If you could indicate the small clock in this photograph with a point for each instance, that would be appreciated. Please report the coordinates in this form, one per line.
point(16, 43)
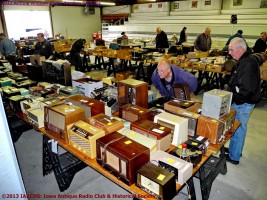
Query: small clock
point(156, 181)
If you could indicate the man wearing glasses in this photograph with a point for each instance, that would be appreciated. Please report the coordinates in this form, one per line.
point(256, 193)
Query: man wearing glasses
point(166, 75)
point(245, 85)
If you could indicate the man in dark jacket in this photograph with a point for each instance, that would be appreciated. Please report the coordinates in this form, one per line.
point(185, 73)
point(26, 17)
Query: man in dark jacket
point(166, 75)
point(161, 40)
point(203, 41)
point(245, 85)
point(261, 43)
point(237, 34)
point(43, 46)
point(75, 57)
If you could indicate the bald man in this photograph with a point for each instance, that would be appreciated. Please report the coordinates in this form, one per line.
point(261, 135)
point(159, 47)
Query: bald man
point(161, 39)
point(203, 41)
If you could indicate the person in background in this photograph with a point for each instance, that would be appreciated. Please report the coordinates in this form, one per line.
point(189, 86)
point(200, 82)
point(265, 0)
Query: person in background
point(166, 75)
point(43, 46)
point(183, 37)
point(124, 38)
point(75, 57)
point(8, 49)
point(245, 86)
point(237, 34)
point(261, 43)
point(174, 38)
point(203, 41)
point(161, 40)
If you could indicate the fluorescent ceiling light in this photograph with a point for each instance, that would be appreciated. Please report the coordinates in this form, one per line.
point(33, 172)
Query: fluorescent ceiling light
point(107, 3)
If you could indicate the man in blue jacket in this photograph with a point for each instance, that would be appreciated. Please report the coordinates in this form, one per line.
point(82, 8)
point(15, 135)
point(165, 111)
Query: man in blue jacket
point(166, 75)
point(245, 85)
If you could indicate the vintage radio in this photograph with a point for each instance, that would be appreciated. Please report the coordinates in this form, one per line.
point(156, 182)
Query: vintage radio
point(181, 91)
point(36, 116)
point(40, 91)
point(31, 102)
point(178, 125)
point(126, 124)
point(37, 59)
point(35, 72)
point(57, 72)
point(108, 124)
point(124, 75)
point(152, 96)
point(197, 54)
point(92, 107)
point(160, 133)
point(158, 182)
point(2, 74)
point(141, 139)
point(180, 108)
point(9, 91)
point(54, 100)
point(87, 85)
point(26, 83)
point(13, 75)
point(229, 120)
point(69, 91)
point(181, 168)
point(19, 78)
point(210, 128)
point(215, 68)
point(198, 143)
point(134, 92)
point(5, 81)
point(24, 91)
point(216, 103)
point(83, 136)
point(14, 102)
point(121, 155)
point(132, 113)
point(57, 117)
point(45, 85)
point(159, 102)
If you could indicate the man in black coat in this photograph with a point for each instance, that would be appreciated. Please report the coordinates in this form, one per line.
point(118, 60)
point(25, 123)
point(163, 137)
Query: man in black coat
point(161, 40)
point(261, 43)
point(75, 57)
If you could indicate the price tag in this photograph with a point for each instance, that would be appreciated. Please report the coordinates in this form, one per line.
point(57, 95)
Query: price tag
point(213, 120)
point(91, 104)
point(194, 143)
point(170, 160)
point(128, 142)
point(132, 135)
point(161, 177)
point(141, 111)
point(162, 128)
point(109, 123)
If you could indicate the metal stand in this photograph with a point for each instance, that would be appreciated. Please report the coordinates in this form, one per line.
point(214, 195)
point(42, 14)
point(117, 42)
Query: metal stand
point(65, 166)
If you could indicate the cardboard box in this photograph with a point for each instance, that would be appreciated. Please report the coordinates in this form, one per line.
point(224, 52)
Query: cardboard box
point(37, 59)
point(87, 85)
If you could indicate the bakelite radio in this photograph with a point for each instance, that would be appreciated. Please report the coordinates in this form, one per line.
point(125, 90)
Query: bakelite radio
point(178, 125)
point(25, 83)
point(57, 117)
point(181, 168)
point(160, 133)
point(216, 103)
point(181, 91)
point(83, 136)
point(92, 107)
point(108, 124)
point(14, 102)
point(156, 181)
point(134, 92)
point(31, 102)
point(121, 155)
point(36, 116)
point(141, 139)
point(132, 113)
point(181, 108)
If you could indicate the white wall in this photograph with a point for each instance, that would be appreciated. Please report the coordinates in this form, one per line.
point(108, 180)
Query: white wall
point(10, 177)
point(116, 10)
point(246, 4)
point(71, 22)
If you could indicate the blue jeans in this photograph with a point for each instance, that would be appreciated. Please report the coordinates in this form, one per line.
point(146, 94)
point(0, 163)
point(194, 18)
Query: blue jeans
point(243, 112)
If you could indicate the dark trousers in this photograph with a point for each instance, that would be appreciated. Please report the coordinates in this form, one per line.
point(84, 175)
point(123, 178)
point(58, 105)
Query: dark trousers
point(76, 60)
point(12, 61)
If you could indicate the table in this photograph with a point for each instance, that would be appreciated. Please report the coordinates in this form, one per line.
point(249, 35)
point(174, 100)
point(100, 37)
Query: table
point(64, 175)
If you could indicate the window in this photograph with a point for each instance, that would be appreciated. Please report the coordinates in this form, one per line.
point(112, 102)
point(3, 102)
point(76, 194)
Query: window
point(21, 23)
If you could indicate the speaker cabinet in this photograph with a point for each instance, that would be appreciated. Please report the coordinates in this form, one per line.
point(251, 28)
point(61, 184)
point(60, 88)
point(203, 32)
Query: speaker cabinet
point(233, 19)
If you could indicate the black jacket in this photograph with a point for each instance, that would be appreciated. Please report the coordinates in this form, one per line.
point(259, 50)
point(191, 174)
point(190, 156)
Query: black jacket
point(260, 46)
point(44, 49)
point(162, 40)
point(245, 80)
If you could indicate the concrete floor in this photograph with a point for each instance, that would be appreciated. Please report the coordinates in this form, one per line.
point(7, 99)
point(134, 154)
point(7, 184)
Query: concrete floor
point(246, 181)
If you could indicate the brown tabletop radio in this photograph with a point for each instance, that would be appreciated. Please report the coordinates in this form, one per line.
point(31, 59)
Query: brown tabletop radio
point(132, 113)
point(108, 124)
point(160, 133)
point(91, 106)
point(57, 117)
point(121, 155)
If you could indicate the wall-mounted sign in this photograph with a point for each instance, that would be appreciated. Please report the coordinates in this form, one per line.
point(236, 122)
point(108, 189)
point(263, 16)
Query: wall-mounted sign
point(207, 3)
point(237, 2)
point(176, 6)
point(263, 4)
point(194, 4)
